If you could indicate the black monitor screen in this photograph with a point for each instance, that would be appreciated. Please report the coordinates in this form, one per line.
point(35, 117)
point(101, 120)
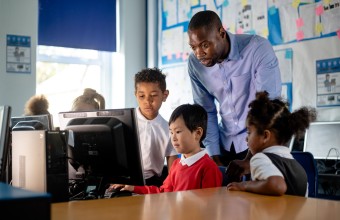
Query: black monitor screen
point(107, 146)
point(32, 122)
point(5, 115)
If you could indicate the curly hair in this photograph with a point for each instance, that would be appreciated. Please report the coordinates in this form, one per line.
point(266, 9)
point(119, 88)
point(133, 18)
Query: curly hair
point(274, 115)
point(37, 105)
point(153, 75)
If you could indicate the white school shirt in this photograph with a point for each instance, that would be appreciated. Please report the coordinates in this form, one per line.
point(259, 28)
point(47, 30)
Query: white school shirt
point(261, 166)
point(155, 143)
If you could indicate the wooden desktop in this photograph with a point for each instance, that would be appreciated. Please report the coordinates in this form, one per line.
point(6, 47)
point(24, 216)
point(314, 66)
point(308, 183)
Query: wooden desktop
point(213, 203)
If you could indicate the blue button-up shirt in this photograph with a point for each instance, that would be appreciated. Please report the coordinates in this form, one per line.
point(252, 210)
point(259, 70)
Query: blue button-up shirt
point(228, 87)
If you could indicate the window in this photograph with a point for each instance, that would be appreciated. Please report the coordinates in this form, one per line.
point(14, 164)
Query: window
point(63, 74)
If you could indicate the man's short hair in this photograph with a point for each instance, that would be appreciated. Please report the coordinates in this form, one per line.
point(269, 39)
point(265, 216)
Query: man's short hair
point(206, 19)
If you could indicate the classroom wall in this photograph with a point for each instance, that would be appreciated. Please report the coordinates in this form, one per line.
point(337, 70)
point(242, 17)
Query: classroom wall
point(132, 44)
point(18, 17)
point(305, 55)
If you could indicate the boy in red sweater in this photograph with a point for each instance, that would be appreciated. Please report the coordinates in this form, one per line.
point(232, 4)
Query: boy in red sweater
point(195, 169)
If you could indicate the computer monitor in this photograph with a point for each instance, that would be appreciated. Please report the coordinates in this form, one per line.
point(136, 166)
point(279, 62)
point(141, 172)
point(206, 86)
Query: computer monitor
point(65, 117)
point(5, 115)
point(107, 147)
point(322, 140)
point(32, 122)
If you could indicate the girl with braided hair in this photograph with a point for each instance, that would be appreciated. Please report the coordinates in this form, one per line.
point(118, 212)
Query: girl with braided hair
point(270, 125)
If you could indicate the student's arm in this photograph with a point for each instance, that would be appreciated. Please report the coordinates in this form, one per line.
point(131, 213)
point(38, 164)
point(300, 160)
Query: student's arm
point(274, 185)
point(166, 187)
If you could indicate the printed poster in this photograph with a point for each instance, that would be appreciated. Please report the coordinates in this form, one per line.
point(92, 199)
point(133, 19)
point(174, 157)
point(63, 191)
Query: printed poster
point(18, 54)
point(328, 82)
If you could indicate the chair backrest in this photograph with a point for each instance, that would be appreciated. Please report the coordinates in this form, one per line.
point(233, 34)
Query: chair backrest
point(307, 161)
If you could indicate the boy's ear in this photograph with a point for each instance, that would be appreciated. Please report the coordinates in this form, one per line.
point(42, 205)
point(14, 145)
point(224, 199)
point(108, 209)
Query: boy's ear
point(165, 95)
point(199, 133)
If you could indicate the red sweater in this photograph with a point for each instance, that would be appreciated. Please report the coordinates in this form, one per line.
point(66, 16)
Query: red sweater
point(204, 173)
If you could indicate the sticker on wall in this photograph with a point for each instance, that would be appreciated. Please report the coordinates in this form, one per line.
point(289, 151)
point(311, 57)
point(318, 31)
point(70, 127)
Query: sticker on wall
point(18, 56)
point(328, 82)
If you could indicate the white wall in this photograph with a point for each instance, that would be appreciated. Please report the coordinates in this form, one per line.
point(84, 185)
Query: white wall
point(17, 17)
point(132, 45)
point(305, 55)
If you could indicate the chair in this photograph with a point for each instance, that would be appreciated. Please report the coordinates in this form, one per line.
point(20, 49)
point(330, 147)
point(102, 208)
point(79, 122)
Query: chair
point(307, 161)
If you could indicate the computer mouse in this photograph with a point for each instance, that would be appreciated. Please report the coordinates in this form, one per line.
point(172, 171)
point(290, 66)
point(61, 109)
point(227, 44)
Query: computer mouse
point(121, 193)
point(113, 193)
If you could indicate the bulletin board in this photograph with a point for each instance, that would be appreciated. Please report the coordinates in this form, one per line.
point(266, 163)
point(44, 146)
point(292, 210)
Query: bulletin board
point(282, 22)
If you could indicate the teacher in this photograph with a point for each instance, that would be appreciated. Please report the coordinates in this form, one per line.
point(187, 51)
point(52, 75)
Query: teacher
point(226, 70)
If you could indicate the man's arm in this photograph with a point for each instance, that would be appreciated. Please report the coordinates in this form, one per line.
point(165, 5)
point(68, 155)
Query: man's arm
point(202, 97)
point(267, 74)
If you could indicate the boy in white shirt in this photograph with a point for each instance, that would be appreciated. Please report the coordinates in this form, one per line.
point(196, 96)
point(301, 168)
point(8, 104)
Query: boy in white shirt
point(150, 92)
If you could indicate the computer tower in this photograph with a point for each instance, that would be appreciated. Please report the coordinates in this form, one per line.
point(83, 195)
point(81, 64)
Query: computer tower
point(39, 162)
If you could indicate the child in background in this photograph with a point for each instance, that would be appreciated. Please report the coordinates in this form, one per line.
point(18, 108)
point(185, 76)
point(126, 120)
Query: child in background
point(151, 92)
point(89, 101)
point(195, 169)
point(36, 105)
point(270, 126)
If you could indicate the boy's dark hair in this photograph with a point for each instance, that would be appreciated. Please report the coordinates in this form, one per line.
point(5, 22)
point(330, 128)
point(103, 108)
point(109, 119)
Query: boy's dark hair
point(153, 75)
point(194, 116)
point(206, 19)
point(273, 115)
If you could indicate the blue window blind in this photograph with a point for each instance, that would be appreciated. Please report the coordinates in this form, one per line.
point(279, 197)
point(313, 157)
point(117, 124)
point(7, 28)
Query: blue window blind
point(85, 24)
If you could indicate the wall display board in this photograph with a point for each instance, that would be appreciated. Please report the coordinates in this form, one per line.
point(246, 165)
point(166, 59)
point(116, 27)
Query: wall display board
point(285, 58)
point(282, 22)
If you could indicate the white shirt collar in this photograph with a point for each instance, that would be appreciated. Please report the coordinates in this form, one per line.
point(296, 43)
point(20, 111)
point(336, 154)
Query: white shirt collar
point(141, 117)
point(282, 151)
point(193, 159)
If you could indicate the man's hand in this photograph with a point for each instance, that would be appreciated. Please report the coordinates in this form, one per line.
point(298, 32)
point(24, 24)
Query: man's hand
point(238, 168)
point(217, 160)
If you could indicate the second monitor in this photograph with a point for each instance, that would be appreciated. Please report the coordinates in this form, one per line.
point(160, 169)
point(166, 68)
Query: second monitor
point(107, 148)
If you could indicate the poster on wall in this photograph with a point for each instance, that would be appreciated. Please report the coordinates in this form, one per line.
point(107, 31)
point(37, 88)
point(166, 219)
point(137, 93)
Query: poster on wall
point(18, 54)
point(328, 82)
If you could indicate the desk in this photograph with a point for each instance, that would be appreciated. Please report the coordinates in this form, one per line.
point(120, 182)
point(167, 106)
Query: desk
point(211, 204)
point(23, 204)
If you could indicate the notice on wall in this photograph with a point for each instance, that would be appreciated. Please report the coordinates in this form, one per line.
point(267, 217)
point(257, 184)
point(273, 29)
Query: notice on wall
point(18, 56)
point(328, 82)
